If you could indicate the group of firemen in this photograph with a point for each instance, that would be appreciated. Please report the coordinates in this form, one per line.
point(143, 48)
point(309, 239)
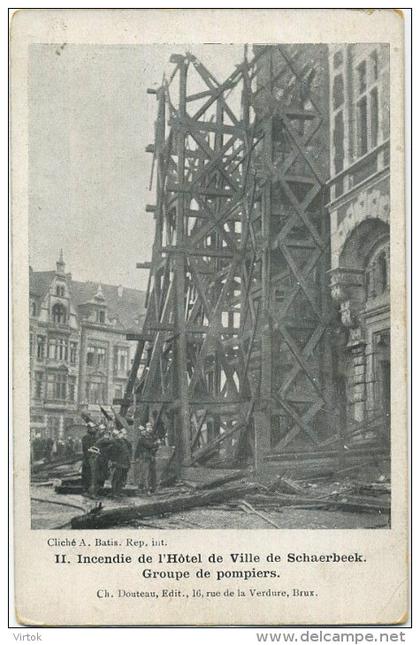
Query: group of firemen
point(107, 454)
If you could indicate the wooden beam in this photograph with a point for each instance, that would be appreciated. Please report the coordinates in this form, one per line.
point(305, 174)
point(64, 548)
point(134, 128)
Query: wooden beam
point(174, 504)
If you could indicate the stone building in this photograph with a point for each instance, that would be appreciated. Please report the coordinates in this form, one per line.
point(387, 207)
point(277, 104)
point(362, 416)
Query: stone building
point(79, 354)
point(359, 218)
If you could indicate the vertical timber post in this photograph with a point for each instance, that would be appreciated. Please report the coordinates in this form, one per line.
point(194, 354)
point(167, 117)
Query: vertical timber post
point(182, 414)
point(263, 414)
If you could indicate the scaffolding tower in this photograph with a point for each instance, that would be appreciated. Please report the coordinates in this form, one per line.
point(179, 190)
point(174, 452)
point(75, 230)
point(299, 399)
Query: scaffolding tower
point(234, 350)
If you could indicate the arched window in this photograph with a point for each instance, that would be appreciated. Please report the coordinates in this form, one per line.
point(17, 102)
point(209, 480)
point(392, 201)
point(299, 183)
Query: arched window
point(377, 272)
point(59, 313)
point(383, 270)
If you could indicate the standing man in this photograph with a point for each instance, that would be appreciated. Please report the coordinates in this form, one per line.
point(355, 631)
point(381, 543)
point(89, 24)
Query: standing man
point(87, 442)
point(129, 447)
point(121, 462)
point(100, 453)
point(147, 447)
point(49, 444)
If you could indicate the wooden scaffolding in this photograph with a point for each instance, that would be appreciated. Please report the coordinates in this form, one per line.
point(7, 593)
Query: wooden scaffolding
point(234, 351)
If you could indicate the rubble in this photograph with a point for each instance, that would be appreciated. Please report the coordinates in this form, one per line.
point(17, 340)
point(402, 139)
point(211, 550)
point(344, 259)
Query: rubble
point(105, 518)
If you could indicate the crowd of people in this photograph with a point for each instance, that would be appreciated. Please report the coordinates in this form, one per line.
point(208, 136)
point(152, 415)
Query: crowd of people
point(108, 455)
point(48, 449)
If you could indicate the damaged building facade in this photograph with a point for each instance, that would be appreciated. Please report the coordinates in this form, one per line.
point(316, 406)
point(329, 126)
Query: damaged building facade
point(359, 210)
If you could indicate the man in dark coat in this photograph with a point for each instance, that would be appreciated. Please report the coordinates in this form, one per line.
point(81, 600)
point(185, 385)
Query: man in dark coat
point(87, 442)
point(121, 462)
point(49, 443)
point(69, 447)
point(147, 447)
point(100, 453)
point(124, 437)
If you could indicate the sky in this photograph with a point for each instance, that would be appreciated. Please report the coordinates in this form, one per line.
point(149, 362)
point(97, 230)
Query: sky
point(90, 120)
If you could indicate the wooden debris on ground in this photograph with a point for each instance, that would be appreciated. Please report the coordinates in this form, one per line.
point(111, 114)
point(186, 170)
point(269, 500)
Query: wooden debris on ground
point(40, 466)
point(285, 484)
point(199, 477)
point(57, 471)
point(246, 506)
point(108, 517)
point(77, 489)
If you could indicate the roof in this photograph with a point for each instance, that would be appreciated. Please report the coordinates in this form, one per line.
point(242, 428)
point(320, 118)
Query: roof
point(39, 282)
point(127, 307)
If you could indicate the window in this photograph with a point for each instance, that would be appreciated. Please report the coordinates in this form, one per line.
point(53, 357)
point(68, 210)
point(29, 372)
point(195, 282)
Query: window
point(374, 117)
point(61, 349)
point(377, 273)
point(361, 77)
point(31, 344)
point(100, 316)
point(33, 308)
point(101, 354)
point(374, 65)
point(367, 108)
point(39, 379)
point(338, 142)
point(120, 359)
point(338, 59)
point(40, 347)
point(57, 349)
point(59, 290)
point(90, 356)
point(96, 356)
point(118, 392)
point(362, 126)
point(57, 386)
point(73, 353)
point(61, 386)
point(96, 391)
point(382, 271)
point(59, 313)
point(52, 348)
point(338, 91)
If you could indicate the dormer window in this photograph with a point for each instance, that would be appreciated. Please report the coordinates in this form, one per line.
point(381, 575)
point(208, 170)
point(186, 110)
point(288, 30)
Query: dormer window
point(59, 313)
point(100, 316)
point(59, 290)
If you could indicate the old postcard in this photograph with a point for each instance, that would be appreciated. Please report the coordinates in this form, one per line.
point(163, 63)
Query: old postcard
point(209, 327)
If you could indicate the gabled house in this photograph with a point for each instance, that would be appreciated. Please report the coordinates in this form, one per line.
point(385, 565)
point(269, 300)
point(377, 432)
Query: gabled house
point(79, 355)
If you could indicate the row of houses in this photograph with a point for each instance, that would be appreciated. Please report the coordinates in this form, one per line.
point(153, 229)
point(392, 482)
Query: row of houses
point(79, 355)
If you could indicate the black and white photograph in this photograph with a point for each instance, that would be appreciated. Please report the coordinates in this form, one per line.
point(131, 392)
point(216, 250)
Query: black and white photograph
point(210, 229)
point(209, 286)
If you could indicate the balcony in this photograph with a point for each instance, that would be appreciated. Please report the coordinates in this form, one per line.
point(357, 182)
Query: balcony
point(373, 163)
point(56, 403)
point(62, 328)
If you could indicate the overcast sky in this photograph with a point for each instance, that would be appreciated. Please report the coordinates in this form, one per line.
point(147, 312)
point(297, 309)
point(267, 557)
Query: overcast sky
point(90, 120)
